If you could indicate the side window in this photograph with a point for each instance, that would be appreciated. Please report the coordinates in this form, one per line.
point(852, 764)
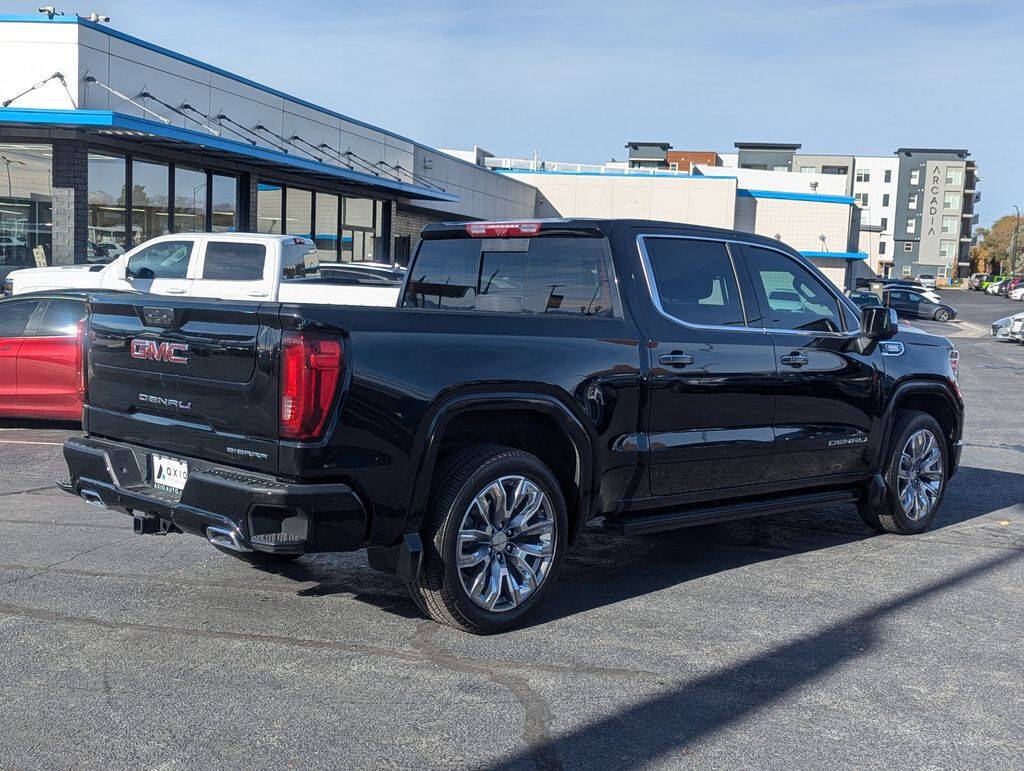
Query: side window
point(167, 259)
point(791, 297)
point(14, 317)
point(567, 276)
point(299, 259)
point(234, 261)
point(60, 319)
point(695, 281)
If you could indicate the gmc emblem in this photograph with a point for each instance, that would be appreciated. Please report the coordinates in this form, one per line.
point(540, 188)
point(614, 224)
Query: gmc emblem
point(152, 350)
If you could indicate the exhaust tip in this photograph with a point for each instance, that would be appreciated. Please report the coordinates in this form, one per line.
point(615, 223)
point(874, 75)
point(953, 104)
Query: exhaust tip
point(225, 538)
point(93, 498)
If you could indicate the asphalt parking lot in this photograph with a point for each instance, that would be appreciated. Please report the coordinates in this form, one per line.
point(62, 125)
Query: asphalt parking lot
point(801, 640)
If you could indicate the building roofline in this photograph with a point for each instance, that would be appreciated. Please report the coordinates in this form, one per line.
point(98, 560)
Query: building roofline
point(765, 146)
point(665, 145)
point(107, 30)
point(936, 150)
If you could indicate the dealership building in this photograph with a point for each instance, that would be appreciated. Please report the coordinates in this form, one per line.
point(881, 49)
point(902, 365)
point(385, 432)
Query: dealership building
point(107, 140)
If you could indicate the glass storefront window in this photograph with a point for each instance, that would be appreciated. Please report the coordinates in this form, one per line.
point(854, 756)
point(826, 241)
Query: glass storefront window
point(359, 212)
point(189, 200)
point(107, 207)
point(268, 208)
point(149, 200)
point(225, 204)
point(326, 235)
point(25, 204)
point(298, 205)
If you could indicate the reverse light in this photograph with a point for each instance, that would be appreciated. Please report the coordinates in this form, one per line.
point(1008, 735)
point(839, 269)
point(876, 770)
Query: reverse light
point(310, 373)
point(502, 229)
point(954, 368)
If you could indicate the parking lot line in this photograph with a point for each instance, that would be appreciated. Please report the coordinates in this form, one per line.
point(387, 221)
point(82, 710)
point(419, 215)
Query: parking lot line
point(16, 441)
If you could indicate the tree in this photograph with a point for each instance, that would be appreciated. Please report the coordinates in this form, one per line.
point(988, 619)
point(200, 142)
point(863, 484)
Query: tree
point(992, 254)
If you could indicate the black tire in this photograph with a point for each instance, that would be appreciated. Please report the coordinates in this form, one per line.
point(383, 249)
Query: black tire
point(891, 516)
point(941, 315)
point(258, 557)
point(439, 589)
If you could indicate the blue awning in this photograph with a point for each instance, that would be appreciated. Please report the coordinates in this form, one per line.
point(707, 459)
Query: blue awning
point(109, 123)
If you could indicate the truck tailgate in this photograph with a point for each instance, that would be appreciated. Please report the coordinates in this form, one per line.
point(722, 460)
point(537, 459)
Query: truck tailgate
point(194, 379)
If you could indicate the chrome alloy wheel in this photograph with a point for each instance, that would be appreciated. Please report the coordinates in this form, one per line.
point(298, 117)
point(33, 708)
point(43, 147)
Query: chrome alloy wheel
point(506, 543)
point(920, 474)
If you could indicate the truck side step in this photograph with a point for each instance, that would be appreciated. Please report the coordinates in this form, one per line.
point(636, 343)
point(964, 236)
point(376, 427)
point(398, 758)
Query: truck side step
point(650, 523)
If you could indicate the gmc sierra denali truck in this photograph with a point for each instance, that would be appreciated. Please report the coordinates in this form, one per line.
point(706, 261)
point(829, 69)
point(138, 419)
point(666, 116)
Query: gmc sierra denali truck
point(535, 375)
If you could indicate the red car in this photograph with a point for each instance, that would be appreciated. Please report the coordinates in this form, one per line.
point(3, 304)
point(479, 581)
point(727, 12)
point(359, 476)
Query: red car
point(41, 356)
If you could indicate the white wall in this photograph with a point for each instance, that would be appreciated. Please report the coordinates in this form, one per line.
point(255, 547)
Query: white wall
point(797, 223)
point(31, 52)
point(873, 214)
point(690, 200)
point(782, 181)
point(483, 194)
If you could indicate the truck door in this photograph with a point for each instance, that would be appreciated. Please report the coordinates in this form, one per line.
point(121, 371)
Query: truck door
point(14, 318)
point(163, 267)
point(234, 269)
point(828, 394)
point(49, 359)
point(712, 370)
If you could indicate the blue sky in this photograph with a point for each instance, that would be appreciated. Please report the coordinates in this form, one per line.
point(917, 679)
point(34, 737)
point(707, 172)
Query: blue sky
point(574, 80)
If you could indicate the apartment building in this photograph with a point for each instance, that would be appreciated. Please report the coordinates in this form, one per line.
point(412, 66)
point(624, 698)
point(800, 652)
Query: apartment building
point(934, 212)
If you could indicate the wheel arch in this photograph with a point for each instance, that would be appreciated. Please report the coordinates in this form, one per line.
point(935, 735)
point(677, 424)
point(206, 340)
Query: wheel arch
point(537, 423)
point(932, 398)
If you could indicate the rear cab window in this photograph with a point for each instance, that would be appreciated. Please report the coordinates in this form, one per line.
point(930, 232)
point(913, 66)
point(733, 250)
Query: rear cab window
point(299, 258)
point(234, 261)
point(551, 275)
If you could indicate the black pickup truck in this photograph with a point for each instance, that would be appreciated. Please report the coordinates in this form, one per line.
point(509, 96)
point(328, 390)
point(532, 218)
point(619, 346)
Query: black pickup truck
point(534, 376)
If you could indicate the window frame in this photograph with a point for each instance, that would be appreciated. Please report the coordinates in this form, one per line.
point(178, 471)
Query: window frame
point(655, 295)
point(739, 255)
point(841, 300)
point(618, 310)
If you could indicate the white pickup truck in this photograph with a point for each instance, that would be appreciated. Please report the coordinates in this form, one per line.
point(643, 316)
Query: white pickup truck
point(229, 266)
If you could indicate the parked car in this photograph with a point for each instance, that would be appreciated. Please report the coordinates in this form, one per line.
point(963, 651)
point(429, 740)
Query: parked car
point(992, 285)
point(1001, 327)
point(927, 280)
point(1010, 283)
point(467, 436)
point(1017, 293)
point(974, 283)
point(1016, 328)
point(916, 305)
point(41, 356)
point(255, 267)
point(862, 299)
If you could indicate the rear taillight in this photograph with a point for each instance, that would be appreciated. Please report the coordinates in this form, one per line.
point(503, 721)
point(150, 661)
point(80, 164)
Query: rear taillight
point(310, 372)
point(80, 359)
point(954, 369)
point(502, 229)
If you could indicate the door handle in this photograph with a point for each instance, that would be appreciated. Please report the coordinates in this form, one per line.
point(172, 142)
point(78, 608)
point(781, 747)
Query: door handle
point(176, 291)
point(257, 294)
point(675, 359)
point(795, 360)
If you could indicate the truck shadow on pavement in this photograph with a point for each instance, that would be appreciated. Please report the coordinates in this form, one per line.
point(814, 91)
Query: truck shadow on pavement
point(659, 729)
point(605, 568)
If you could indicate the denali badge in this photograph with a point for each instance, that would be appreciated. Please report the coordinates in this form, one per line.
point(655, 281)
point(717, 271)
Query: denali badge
point(851, 440)
point(175, 403)
point(151, 349)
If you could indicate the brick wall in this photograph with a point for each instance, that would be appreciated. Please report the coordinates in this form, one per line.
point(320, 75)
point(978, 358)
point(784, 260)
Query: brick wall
point(70, 201)
point(405, 222)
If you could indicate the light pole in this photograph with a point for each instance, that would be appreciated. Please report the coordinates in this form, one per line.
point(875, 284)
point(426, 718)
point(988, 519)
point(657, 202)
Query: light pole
point(1013, 241)
point(8, 161)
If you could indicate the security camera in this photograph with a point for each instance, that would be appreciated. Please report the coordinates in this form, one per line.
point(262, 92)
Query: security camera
point(50, 11)
point(96, 18)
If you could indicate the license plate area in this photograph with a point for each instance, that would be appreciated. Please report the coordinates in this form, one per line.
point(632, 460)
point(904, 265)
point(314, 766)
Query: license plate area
point(168, 474)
